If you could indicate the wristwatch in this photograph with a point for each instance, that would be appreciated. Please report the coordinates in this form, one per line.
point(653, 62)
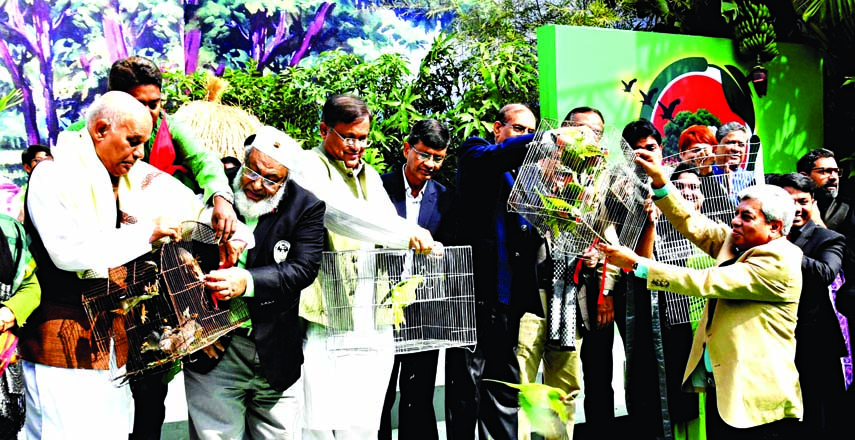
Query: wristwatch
point(635, 266)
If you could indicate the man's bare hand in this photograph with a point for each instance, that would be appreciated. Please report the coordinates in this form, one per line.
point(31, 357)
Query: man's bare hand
point(652, 165)
point(230, 252)
point(212, 350)
point(7, 319)
point(591, 258)
point(605, 312)
point(223, 219)
point(620, 256)
point(226, 284)
point(421, 241)
point(165, 228)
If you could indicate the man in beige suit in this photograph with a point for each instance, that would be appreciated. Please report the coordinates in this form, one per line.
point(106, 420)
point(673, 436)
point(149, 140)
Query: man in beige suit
point(744, 349)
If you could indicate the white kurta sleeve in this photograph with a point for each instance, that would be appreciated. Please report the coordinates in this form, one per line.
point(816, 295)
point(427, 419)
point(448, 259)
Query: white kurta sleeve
point(61, 211)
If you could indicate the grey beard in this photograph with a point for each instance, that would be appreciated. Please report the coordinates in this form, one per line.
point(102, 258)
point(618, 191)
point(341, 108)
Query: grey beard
point(252, 209)
point(833, 193)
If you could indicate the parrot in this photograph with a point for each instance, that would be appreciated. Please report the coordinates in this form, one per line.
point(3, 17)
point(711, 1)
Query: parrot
point(544, 407)
point(402, 295)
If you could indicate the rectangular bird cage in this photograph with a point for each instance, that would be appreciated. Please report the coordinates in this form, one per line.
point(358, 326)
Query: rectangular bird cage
point(714, 191)
point(423, 301)
point(155, 309)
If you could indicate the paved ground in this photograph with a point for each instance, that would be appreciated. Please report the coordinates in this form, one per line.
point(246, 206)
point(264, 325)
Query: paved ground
point(175, 427)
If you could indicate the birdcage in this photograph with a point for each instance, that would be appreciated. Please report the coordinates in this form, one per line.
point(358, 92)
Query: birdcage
point(155, 308)
point(582, 184)
point(711, 186)
point(578, 188)
point(422, 301)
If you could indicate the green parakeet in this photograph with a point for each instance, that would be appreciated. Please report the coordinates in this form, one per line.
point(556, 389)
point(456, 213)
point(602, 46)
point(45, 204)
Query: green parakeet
point(402, 295)
point(543, 406)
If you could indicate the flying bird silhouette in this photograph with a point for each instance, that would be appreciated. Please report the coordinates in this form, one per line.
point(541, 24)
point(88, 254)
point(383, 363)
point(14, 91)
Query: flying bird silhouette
point(647, 98)
point(627, 86)
point(668, 112)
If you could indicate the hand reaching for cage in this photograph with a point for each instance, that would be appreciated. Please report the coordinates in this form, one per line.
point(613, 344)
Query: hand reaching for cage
point(213, 351)
point(165, 228)
point(226, 284)
point(618, 255)
point(653, 167)
point(230, 252)
point(223, 219)
point(421, 241)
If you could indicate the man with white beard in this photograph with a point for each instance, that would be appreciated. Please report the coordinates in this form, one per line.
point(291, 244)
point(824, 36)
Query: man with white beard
point(250, 385)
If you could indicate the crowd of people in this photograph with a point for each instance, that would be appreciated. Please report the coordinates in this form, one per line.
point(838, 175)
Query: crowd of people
point(765, 355)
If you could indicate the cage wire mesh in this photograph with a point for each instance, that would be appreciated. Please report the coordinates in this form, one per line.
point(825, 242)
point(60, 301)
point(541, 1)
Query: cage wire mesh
point(716, 195)
point(156, 307)
point(578, 188)
point(422, 301)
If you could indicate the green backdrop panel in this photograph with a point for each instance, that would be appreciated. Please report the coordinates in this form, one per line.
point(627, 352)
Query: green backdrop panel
point(612, 70)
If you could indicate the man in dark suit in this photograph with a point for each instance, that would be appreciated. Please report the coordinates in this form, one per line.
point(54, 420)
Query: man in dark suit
point(419, 199)
point(819, 340)
point(253, 388)
point(505, 250)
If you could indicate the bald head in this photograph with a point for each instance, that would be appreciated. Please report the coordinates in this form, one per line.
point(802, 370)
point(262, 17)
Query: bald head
point(514, 120)
point(119, 126)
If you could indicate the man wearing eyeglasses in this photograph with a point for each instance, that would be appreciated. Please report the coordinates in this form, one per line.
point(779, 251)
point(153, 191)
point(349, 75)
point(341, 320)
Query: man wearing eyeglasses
point(730, 154)
point(250, 386)
point(345, 390)
point(821, 166)
point(505, 249)
point(421, 200)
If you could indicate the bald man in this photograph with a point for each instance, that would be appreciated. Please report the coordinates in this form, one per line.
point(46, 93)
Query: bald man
point(95, 206)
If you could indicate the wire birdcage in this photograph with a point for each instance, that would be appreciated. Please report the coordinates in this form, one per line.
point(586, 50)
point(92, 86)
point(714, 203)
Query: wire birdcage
point(715, 195)
point(578, 188)
point(425, 301)
point(157, 306)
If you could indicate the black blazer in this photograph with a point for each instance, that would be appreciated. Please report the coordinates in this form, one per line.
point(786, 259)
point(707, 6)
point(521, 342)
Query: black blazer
point(434, 210)
point(276, 330)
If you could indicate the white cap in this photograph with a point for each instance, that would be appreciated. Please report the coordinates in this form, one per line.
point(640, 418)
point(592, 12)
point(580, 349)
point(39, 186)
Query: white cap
point(279, 146)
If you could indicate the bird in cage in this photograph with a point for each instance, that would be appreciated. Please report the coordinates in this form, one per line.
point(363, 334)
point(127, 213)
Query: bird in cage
point(174, 339)
point(402, 295)
point(127, 304)
point(186, 259)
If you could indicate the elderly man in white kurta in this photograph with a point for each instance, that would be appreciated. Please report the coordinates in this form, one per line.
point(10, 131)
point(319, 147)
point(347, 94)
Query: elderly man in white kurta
point(94, 207)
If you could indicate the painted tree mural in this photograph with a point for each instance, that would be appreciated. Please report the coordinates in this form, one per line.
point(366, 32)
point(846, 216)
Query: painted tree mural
point(26, 30)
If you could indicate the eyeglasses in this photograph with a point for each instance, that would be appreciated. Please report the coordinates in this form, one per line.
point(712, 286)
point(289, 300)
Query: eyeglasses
point(519, 128)
point(352, 141)
point(687, 186)
point(436, 158)
point(826, 170)
point(597, 132)
point(252, 175)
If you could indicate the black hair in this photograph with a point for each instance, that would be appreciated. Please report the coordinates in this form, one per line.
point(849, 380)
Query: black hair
point(431, 133)
point(683, 168)
point(638, 130)
point(30, 153)
point(584, 110)
point(231, 160)
point(806, 163)
point(134, 71)
point(344, 109)
point(795, 180)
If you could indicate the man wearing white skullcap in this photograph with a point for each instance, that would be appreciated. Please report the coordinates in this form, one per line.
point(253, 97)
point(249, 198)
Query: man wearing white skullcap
point(249, 385)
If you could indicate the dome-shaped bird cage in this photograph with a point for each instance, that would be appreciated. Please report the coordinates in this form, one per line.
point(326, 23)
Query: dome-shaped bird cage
point(221, 129)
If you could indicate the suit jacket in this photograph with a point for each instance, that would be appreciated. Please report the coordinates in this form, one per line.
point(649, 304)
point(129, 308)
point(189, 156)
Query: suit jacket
point(484, 175)
point(749, 320)
point(436, 203)
point(823, 255)
point(276, 330)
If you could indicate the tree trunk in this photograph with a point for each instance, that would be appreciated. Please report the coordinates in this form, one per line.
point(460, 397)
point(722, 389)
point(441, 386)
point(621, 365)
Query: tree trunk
point(28, 106)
